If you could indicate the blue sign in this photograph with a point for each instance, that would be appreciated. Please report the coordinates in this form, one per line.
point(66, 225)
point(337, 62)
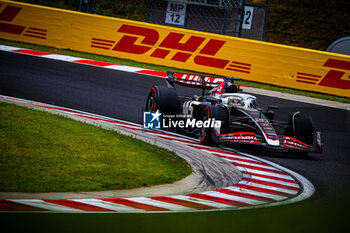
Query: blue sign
point(151, 120)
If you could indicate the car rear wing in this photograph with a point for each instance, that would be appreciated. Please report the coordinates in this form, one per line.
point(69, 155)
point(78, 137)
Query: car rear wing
point(192, 80)
point(196, 81)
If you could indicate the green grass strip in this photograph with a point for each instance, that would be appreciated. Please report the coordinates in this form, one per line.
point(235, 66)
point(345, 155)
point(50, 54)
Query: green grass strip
point(165, 68)
point(42, 152)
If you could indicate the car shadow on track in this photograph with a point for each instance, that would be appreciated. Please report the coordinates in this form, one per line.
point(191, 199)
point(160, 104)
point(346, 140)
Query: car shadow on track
point(258, 152)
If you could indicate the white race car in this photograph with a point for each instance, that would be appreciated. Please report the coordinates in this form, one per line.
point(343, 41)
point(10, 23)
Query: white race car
point(241, 122)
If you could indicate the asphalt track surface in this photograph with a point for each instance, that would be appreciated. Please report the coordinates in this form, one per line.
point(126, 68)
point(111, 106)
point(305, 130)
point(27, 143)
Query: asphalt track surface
point(122, 95)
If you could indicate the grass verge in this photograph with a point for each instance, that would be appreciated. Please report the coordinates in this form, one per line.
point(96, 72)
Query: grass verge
point(42, 152)
point(165, 68)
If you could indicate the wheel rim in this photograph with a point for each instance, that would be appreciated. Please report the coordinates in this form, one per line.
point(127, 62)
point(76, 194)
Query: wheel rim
point(203, 130)
point(150, 103)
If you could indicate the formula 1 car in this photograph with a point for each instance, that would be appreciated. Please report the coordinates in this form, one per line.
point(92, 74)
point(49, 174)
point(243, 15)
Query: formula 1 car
point(242, 123)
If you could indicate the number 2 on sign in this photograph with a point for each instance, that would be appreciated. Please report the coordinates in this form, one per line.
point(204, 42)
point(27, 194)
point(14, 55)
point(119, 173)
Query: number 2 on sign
point(248, 15)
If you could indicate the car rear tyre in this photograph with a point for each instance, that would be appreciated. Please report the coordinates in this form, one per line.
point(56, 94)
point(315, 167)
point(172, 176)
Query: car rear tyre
point(163, 99)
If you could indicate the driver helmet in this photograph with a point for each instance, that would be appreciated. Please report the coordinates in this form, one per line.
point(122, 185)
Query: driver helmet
point(235, 101)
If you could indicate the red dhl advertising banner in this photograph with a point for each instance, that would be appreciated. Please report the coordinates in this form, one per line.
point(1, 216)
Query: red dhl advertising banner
point(280, 65)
